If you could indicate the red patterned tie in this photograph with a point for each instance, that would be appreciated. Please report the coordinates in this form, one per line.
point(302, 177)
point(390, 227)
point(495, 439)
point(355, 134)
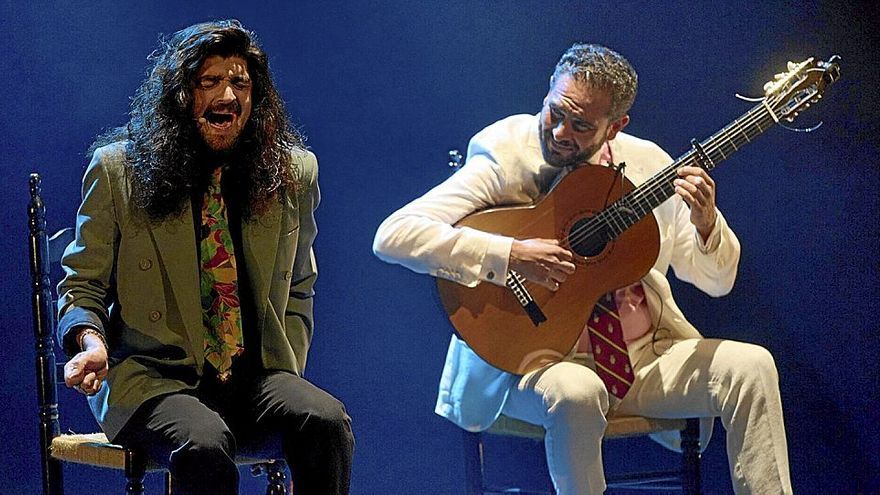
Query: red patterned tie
point(609, 348)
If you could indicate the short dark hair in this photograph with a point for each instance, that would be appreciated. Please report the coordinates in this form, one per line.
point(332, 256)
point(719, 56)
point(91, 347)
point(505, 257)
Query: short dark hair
point(600, 67)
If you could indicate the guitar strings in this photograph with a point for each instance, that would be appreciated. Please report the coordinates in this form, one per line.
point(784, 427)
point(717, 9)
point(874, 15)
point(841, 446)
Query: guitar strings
point(639, 196)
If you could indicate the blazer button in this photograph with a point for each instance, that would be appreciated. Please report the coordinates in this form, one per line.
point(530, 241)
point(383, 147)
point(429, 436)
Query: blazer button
point(145, 264)
point(155, 316)
point(287, 275)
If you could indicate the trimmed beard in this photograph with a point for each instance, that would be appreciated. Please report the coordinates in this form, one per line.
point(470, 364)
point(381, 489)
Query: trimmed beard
point(577, 158)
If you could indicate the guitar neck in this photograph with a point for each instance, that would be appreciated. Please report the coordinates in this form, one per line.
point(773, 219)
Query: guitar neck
point(635, 205)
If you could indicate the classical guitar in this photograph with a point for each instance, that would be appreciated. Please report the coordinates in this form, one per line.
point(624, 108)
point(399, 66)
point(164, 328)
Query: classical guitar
point(614, 236)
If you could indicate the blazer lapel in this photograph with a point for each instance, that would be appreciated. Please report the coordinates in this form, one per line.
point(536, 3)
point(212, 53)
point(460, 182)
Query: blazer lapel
point(176, 248)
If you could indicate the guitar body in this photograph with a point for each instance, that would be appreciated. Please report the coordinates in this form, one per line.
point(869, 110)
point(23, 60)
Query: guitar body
point(490, 318)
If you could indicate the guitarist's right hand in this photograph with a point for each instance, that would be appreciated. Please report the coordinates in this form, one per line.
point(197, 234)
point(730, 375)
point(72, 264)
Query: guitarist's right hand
point(541, 261)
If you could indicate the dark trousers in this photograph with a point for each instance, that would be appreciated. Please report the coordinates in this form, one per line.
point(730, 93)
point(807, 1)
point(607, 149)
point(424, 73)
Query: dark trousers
point(197, 434)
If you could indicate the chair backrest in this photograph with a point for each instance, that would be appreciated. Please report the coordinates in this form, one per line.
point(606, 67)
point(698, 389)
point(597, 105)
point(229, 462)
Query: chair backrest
point(43, 251)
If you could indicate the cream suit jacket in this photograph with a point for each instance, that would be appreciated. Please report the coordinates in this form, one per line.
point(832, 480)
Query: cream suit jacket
point(138, 283)
point(505, 167)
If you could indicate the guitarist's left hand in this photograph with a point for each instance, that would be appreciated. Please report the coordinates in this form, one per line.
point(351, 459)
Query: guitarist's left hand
point(697, 189)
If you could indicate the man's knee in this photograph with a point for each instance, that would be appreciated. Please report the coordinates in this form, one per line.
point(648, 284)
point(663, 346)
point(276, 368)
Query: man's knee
point(576, 393)
point(330, 419)
point(752, 363)
point(749, 374)
point(761, 361)
point(323, 419)
point(205, 461)
point(208, 441)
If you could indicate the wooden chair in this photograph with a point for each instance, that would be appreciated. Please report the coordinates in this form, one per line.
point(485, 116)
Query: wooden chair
point(686, 479)
point(93, 448)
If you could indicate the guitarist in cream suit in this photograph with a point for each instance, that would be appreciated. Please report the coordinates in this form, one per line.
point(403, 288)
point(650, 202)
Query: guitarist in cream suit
point(187, 302)
point(677, 372)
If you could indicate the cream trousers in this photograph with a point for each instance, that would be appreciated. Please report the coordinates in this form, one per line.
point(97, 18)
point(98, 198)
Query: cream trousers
point(691, 378)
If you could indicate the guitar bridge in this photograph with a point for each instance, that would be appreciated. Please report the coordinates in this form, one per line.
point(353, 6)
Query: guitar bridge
point(517, 284)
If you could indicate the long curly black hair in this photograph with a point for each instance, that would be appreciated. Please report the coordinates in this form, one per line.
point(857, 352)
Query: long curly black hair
point(165, 152)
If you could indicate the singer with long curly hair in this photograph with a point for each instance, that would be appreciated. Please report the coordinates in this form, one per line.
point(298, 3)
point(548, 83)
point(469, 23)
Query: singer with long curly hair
point(186, 307)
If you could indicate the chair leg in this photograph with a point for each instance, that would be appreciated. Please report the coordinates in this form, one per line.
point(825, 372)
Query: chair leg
point(135, 469)
point(473, 463)
point(276, 478)
point(167, 482)
point(53, 478)
point(690, 446)
point(134, 486)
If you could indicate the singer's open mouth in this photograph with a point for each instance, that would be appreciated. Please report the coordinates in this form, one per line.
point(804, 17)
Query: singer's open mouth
point(219, 119)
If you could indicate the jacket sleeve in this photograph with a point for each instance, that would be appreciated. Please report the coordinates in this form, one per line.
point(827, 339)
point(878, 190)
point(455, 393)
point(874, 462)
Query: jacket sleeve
point(711, 266)
point(422, 237)
point(299, 313)
point(86, 291)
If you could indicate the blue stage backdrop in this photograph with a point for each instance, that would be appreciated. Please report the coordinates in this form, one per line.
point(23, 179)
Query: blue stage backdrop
point(382, 90)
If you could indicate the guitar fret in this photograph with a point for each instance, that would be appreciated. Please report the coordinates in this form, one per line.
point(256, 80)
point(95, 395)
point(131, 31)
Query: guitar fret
point(758, 125)
point(633, 206)
point(721, 152)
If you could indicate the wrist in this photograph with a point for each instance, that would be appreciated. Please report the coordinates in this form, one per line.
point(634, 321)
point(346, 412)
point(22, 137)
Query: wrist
point(89, 339)
point(706, 229)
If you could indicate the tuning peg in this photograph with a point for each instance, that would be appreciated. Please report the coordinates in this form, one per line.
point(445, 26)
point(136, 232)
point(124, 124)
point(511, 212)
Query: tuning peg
point(779, 76)
point(791, 65)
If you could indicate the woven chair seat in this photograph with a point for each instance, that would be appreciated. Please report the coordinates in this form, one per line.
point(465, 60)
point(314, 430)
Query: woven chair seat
point(95, 450)
point(618, 427)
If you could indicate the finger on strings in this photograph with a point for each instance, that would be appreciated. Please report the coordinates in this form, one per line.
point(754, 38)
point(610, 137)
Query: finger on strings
point(696, 180)
point(558, 276)
point(685, 195)
point(565, 267)
point(564, 255)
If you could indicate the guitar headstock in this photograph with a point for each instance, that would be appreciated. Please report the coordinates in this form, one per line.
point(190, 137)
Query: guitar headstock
point(793, 91)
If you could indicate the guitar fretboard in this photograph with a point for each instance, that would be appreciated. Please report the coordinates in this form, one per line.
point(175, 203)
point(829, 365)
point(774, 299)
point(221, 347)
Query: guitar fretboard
point(635, 205)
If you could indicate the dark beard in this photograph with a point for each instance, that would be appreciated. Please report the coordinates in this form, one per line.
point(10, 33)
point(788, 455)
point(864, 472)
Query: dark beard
point(205, 155)
point(578, 158)
point(207, 159)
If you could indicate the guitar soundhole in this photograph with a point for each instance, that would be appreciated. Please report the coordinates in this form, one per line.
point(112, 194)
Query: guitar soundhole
point(588, 237)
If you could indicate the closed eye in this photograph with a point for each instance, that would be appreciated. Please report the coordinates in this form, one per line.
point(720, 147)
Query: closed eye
point(211, 82)
point(582, 126)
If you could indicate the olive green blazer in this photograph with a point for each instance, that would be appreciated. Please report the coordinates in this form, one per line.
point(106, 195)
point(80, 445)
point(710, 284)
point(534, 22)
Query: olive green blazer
point(137, 282)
